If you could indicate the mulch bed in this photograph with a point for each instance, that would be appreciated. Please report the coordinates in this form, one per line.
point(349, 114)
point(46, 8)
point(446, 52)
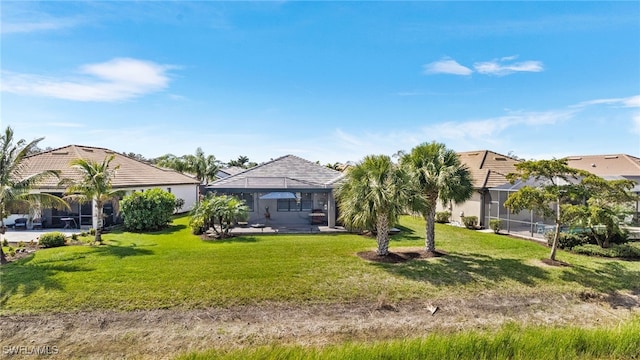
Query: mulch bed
point(399, 256)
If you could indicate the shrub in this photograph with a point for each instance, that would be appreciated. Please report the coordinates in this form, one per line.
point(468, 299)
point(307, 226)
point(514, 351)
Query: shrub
point(52, 239)
point(470, 222)
point(627, 251)
point(5, 242)
point(92, 232)
point(149, 210)
point(442, 217)
point(11, 251)
point(567, 240)
point(496, 225)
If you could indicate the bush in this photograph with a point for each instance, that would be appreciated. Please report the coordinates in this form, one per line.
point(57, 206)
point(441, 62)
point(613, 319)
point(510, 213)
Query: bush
point(496, 225)
point(52, 239)
point(470, 222)
point(567, 240)
point(627, 251)
point(5, 242)
point(442, 217)
point(147, 211)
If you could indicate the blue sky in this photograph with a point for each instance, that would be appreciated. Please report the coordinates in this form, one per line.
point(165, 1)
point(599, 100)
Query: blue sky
point(327, 81)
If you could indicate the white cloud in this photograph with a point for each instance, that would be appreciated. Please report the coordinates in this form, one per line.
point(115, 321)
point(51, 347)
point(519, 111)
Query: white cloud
point(632, 102)
point(505, 66)
point(34, 26)
point(115, 80)
point(499, 67)
point(446, 66)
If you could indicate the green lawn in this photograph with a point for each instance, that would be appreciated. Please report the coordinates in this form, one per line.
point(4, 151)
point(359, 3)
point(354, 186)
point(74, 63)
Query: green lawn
point(174, 269)
point(510, 342)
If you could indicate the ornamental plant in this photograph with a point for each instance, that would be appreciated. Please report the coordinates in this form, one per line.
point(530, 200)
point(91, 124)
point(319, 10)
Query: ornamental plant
point(147, 211)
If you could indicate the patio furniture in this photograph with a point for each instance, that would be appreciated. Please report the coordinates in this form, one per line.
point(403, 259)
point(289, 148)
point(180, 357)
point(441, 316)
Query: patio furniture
point(38, 223)
point(20, 224)
point(68, 221)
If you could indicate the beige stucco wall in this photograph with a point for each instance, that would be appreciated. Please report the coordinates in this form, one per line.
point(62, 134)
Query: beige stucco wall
point(470, 207)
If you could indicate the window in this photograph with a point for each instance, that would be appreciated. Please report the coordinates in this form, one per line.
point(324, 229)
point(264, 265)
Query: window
point(304, 202)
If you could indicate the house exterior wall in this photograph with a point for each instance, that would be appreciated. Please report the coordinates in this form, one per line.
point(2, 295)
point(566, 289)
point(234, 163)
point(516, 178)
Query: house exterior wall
point(85, 215)
point(471, 207)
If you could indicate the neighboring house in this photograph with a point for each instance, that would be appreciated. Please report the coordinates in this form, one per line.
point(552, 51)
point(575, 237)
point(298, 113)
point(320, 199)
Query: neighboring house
point(228, 171)
point(133, 175)
point(609, 167)
point(285, 191)
point(488, 169)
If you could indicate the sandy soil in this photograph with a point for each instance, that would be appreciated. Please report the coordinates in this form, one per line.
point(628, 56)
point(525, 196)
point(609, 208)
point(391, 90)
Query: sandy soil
point(159, 334)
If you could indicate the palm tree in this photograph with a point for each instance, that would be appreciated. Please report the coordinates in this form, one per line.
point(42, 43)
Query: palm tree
point(16, 183)
point(223, 209)
point(95, 186)
point(439, 175)
point(204, 168)
point(374, 194)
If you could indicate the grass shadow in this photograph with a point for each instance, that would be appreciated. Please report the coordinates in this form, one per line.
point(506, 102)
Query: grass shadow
point(22, 277)
point(406, 234)
point(610, 278)
point(457, 269)
point(120, 251)
point(232, 239)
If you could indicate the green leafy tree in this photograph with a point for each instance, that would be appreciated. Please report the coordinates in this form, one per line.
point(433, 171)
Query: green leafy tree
point(439, 175)
point(375, 192)
point(605, 208)
point(95, 186)
point(148, 210)
point(16, 182)
point(555, 186)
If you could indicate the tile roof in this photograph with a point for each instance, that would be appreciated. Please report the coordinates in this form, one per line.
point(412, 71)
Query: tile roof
point(606, 165)
point(488, 169)
point(285, 172)
point(131, 173)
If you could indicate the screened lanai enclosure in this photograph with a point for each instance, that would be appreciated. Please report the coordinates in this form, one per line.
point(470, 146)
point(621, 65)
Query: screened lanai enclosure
point(524, 223)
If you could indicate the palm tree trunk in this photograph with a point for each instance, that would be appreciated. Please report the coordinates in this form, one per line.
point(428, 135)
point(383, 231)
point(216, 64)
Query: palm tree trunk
point(382, 237)
point(430, 216)
point(98, 238)
point(3, 257)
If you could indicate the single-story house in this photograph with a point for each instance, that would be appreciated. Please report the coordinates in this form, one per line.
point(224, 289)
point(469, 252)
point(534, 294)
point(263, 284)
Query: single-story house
point(620, 166)
point(610, 167)
point(132, 175)
point(488, 169)
point(286, 191)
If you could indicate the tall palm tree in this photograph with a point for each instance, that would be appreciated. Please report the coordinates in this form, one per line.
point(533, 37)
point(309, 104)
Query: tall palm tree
point(95, 186)
point(204, 168)
point(439, 175)
point(16, 182)
point(374, 194)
